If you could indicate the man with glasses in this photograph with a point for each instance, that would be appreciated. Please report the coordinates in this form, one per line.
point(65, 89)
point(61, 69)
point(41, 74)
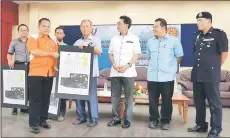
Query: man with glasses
point(124, 51)
point(18, 53)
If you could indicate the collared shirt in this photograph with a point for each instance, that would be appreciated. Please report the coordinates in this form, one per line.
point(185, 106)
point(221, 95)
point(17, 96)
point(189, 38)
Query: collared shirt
point(61, 43)
point(164, 53)
point(42, 65)
point(94, 42)
point(18, 47)
point(123, 49)
point(208, 48)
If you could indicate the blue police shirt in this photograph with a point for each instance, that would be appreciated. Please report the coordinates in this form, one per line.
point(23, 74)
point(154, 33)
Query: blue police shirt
point(164, 53)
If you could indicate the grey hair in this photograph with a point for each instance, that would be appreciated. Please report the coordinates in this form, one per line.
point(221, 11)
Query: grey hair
point(86, 20)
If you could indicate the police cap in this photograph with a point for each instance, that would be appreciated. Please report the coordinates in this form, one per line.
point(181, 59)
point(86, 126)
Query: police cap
point(206, 15)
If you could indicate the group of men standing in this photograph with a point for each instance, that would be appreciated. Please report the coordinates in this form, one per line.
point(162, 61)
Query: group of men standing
point(166, 52)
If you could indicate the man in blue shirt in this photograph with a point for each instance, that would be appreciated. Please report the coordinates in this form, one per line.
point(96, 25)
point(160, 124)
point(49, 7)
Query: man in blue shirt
point(89, 40)
point(166, 53)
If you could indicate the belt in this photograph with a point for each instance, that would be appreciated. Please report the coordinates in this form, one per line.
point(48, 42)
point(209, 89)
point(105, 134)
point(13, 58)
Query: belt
point(18, 62)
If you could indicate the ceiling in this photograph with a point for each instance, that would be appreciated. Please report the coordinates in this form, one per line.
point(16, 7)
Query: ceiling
point(46, 1)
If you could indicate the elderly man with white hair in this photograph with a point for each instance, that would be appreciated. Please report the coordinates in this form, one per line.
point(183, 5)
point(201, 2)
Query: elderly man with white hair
point(89, 40)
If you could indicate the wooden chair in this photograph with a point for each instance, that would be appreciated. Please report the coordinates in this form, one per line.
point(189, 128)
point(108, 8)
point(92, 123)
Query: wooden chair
point(70, 103)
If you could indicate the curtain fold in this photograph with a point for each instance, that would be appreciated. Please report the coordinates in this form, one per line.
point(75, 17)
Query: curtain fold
point(9, 11)
point(9, 17)
point(6, 39)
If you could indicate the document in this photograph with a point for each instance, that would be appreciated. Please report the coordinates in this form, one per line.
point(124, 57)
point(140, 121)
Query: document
point(14, 86)
point(74, 73)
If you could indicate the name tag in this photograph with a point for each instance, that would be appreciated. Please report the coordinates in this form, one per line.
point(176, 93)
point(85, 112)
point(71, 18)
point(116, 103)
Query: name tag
point(210, 39)
point(129, 41)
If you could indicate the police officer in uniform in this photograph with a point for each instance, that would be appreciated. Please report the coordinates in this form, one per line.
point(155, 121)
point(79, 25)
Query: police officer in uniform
point(211, 50)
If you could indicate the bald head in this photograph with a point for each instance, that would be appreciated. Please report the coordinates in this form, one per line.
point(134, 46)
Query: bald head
point(86, 27)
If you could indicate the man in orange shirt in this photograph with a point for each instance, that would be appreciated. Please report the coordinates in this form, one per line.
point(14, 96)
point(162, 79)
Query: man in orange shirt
point(43, 54)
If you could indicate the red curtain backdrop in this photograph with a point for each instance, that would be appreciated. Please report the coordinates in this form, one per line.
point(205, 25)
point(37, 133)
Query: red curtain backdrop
point(9, 11)
point(6, 38)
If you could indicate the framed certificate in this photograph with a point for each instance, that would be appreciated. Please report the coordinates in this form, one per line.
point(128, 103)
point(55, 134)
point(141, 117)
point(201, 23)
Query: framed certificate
point(14, 86)
point(75, 67)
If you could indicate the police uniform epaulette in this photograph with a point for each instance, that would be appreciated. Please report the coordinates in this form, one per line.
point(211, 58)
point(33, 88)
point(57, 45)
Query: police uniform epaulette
point(220, 30)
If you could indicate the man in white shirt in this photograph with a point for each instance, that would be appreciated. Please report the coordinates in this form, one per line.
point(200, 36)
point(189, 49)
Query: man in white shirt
point(123, 52)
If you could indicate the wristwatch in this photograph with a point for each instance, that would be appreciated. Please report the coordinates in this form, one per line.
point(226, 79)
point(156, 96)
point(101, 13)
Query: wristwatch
point(129, 65)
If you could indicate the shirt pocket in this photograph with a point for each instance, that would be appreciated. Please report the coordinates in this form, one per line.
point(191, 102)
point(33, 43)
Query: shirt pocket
point(17, 48)
point(209, 46)
point(127, 48)
point(167, 46)
point(20, 49)
point(167, 50)
point(153, 50)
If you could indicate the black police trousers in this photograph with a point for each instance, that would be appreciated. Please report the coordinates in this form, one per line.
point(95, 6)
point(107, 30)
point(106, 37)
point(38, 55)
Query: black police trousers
point(40, 90)
point(165, 89)
point(209, 90)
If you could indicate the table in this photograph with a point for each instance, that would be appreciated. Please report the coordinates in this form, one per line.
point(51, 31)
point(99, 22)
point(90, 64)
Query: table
point(179, 99)
point(182, 101)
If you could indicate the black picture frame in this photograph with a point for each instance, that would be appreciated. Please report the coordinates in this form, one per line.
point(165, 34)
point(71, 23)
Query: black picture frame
point(75, 49)
point(24, 68)
point(51, 115)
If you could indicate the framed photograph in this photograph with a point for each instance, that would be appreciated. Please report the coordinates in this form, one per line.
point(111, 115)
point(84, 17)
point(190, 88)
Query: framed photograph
point(54, 107)
point(75, 67)
point(14, 86)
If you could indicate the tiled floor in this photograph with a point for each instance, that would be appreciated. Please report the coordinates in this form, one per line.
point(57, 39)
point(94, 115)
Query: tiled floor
point(17, 126)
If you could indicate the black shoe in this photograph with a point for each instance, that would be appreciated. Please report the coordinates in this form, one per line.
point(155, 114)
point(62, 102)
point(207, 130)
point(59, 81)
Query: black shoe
point(44, 124)
point(78, 121)
point(153, 124)
point(15, 111)
point(126, 124)
point(24, 111)
point(92, 124)
point(34, 129)
point(165, 126)
point(213, 134)
point(199, 128)
point(114, 122)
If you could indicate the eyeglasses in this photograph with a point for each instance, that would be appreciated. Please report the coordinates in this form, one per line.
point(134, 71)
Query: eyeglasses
point(23, 30)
